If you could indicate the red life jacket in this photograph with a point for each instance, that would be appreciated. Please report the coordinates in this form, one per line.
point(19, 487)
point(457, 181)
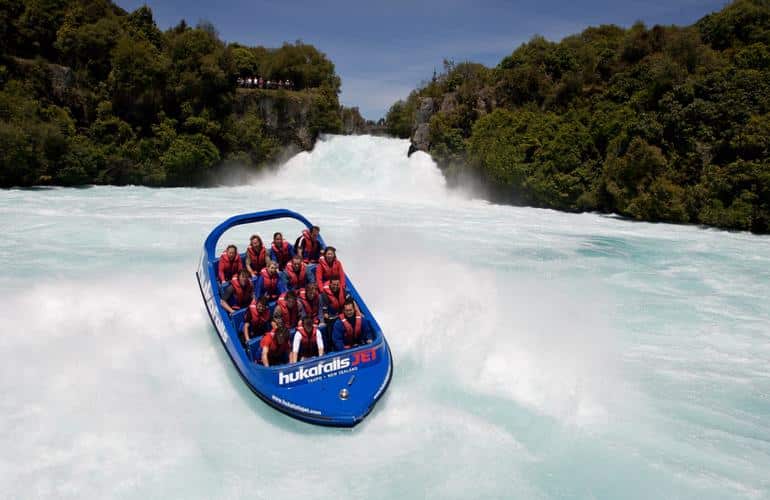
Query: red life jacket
point(335, 302)
point(351, 337)
point(277, 351)
point(257, 261)
point(311, 249)
point(325, 272)
point(243, 295)
point(269, 284)
point(229, 268)
point(308, 345)
point(256, 318)
point(296, 279)
point(311, 309)
point(290, 316)
point(282, 254)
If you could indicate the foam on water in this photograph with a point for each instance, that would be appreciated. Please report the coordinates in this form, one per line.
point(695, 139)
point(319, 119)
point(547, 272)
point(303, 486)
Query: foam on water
point(537, 354)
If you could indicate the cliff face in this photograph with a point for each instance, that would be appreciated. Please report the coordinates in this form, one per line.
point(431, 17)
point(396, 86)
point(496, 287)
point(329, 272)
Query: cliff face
point(297, 118)
point(426, 107)
point(286, 114)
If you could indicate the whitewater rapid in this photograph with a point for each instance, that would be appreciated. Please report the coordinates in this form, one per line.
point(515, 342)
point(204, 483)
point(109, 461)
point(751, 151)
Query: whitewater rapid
point(537, 354)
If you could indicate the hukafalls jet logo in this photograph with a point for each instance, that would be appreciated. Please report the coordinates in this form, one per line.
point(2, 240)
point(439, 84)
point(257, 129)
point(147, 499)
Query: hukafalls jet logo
point(336, 366)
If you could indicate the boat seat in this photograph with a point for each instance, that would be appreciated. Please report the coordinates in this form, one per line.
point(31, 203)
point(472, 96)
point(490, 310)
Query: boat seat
point(237, 318)
point(253, 349)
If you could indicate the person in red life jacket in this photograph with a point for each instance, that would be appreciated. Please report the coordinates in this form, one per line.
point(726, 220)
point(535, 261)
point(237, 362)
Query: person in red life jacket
point(256, 255)
point(275, 346)
point(239, 294)
point(281, 251)
point(351, 329)
point(332, 300)
point(257, 320)
point(288, 309)
point(269, 283)
point(308, 246)
point(296, 273)
point(308, 342)
point(329, 267)
point(310, 303)
point(229, 264)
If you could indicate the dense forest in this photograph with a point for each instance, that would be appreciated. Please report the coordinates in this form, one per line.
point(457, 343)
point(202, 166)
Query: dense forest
point(661, 124)
point(92, 94)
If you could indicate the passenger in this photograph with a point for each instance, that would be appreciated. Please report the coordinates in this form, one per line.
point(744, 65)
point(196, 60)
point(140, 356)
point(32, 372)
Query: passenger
point(308, 246)
point(332, 300)
point(256, 322)
point(281, 251)
point(275, 346)
point(352, 329)
point(239, 294)
point(329, 267)
point(269, 283)
point(229, 264)
point(308, 342)
point(288, 309)
point(310, 303)
point(256, 256)
point(296, 273)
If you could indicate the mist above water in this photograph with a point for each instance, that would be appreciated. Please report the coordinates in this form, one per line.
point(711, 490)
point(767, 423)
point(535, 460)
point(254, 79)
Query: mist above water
point(537, 354)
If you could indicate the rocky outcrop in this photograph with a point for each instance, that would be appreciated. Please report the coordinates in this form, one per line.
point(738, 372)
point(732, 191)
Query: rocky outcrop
point(421, 134)
point(355, 124)
point(60, 79)
point(286, 114)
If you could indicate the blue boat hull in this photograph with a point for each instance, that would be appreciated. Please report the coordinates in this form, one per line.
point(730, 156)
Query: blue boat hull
point(338, 389)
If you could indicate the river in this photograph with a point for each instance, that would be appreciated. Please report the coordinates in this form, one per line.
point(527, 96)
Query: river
point(537, 354)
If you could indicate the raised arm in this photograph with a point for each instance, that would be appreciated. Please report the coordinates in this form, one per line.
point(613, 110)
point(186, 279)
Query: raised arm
point(294, 354)
point(225, 298)
point(265, 358)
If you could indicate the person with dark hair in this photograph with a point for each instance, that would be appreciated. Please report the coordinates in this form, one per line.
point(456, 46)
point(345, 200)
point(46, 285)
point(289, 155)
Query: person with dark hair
point(256, 255)
point(229, 264)
point(288, 309)
point(329, 267)
point(296, 273)
point(275, 346)
point(256, 322)
point(332, 299)
point(352, 328)
point(281, 251)
point(308, 342)
point(308, 246)
point(310, 303)
point(239, 294)
point(269, 283)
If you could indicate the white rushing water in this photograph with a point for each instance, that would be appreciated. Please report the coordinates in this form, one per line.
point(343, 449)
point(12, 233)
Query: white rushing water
point(537, 354)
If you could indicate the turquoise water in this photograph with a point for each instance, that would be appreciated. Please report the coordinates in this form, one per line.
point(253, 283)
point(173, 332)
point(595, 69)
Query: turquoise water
point(537, 354)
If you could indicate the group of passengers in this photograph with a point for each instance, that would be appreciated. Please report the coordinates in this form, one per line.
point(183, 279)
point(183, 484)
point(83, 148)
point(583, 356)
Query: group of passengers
point(295, 296)
point(257, 82)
